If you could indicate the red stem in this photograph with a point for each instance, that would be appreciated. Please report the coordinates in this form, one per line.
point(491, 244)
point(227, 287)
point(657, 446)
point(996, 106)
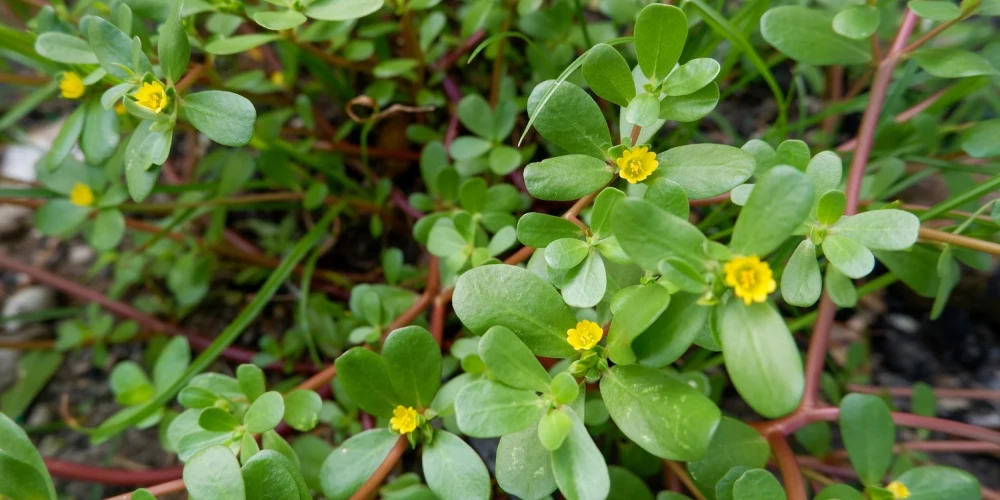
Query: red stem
point(790, 472)
point(113, 477)
point(876, 99)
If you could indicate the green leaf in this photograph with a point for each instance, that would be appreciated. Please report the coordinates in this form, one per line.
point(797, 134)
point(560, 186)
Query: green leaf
point(880, 229)
point(642, 229)
point(511, 362)
point(171, 363)
point(831, 207)
point(251, 380)
point(270, 475)
point(214, 474)
point(59, 217)
point(113, 49)
point(565, 178)
point(815, 438)
point(935, 482)
point(840, 288)
point(869, 434)
point(173, 47)
point(953, 63)
point(342, 10)
point(636, 313)
point(100, 135)
point(570, 119)
point(142, 494)
point(578, 466)
point(30, 382)
point(64, 48)
point(643, 110)
point(734, 444)
point(691, 76)
point(524, 466)
point(758, 484)
point(279, 20)
point(477, 116)
point(394, 67)
point(608, 74)
point(488, 409)
point(130, 384)
point(670, 336)
point(705, 170)
point(935, 10)
point(691, 107)
point(302, 409)
point(645, 404)
point(780, 201)
point(225, 117)
point(265, 413)
point(801, 283)
point(68, 135)
point(454, 470)
point(806, 35)
point(566, 253)
point(660, 34)
point(857, 21)
point(980, 140)
point(850, 257)
point(20, 459)
point(839, 492)
point(217, 420)
point(539, 230)
point(366, 379)
point(913, 268)
point(413, 360)
point(761, 358)
point(515, 298)
point(239, 43)
point(553, 428)
point(587, 283)
point(354, 461)
point(504, 160)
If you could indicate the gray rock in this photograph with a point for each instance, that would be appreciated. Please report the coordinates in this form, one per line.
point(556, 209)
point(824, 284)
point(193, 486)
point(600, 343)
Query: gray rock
point(26, 300)
point(14, 220)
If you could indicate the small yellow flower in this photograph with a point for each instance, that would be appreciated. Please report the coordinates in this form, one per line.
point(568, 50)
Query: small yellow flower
point(585, 336)
point(71, 85)
point(898, 490)
point(81, 195)
point(278, 78)
point(404, 419)
point(151, 96)
point(750, 278)
point(255, 54)
point(637, 164)
point(120, 108)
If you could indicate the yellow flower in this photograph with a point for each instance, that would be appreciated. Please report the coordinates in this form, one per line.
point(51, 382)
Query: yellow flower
point(151, 96)
point(81, 195)
point(585, 336)
point(898, 490)
point(404, 419)
point(637, 164)
point(71, 85)
point(120, 108)
point(750, 278)
point(278, 78)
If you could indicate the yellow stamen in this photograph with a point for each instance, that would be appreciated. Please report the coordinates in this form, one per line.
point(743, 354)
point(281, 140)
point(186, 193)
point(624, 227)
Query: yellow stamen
point(404, 419)
point(151, 96)
point(750, 279)
point(81, 195)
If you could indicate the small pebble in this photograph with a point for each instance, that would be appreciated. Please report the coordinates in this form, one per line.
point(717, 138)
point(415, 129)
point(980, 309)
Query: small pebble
point(26, 300)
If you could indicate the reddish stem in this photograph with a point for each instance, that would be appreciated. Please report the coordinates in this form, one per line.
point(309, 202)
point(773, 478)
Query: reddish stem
point(373, 482)
point(789, 468)
point(876, 99)
point(113, 477)
point(940, 392)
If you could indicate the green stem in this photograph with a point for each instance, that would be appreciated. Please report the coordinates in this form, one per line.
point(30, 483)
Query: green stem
point(973, 194)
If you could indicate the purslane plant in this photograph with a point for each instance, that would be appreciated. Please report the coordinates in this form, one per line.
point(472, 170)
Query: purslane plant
point(594, 352)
